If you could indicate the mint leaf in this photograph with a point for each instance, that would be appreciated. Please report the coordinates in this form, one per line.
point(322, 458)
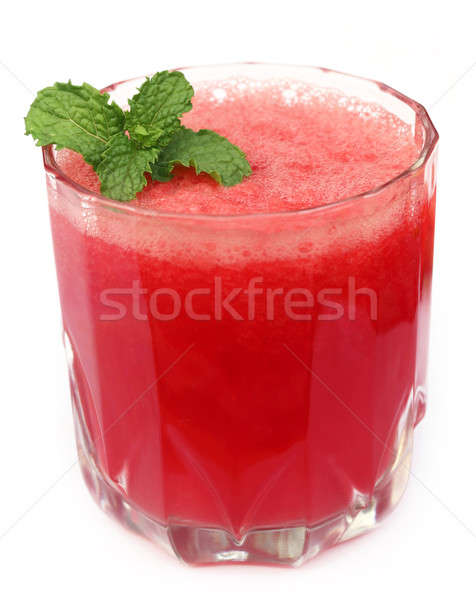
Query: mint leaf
point(75, 117)
point(156, 110)
point(207, 152)
point(122, 167)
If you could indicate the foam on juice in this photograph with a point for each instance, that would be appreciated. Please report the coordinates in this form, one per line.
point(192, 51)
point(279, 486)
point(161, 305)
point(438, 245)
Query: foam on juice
point(306, 148)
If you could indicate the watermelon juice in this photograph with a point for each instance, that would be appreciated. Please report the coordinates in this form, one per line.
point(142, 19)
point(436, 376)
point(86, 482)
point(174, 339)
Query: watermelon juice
point(247, 364)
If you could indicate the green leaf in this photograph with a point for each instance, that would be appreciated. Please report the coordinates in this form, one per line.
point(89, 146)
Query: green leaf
point(122, 167)
point(207, 152)
point(75, 117)
point(156, 110)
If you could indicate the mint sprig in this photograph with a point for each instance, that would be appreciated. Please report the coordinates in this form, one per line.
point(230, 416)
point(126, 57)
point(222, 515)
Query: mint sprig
point(122, 146)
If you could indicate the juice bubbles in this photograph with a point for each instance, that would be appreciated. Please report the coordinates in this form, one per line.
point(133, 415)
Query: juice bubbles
point(248, 363)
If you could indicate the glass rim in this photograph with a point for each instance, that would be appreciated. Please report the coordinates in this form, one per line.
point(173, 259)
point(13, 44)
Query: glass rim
point(430, 141)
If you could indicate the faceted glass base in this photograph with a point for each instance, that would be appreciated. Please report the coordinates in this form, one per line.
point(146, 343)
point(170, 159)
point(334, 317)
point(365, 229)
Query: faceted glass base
point(287, 546)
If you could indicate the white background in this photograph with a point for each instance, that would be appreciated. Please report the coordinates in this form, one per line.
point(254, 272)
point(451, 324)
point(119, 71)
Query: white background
point(54, 541)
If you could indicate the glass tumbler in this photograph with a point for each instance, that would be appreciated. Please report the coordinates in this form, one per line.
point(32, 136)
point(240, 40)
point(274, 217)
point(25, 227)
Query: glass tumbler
point(213, 414)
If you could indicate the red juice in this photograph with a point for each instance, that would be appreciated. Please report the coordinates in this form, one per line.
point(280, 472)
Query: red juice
point(248, 363)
